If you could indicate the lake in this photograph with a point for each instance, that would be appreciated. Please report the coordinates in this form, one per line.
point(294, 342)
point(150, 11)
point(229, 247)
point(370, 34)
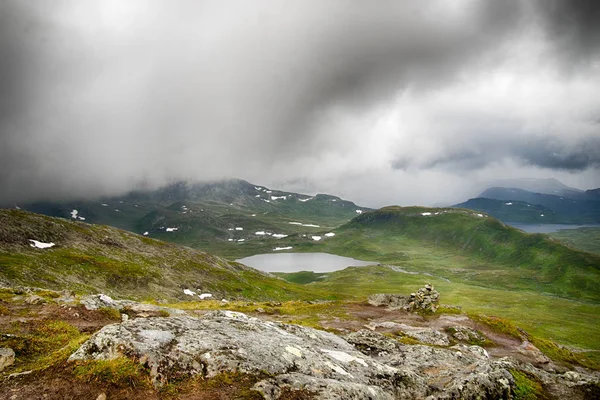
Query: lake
point(547, 228)
point(295, 262)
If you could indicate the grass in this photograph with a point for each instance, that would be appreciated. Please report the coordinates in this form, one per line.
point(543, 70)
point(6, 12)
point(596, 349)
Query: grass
point(118, 372)
point(42, 346)
point(527, 387)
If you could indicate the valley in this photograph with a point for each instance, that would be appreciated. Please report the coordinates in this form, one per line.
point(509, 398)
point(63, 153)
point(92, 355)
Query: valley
point(182, 247)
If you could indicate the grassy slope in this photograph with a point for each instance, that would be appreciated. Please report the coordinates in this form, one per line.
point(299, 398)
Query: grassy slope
point(586, 239)
point(94, 258)
point(476, 262)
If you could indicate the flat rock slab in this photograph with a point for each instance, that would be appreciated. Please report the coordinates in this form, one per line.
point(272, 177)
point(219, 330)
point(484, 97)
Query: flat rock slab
point(297, 357)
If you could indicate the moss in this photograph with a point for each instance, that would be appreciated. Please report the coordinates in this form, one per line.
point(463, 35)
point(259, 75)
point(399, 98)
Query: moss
point(44, 346)
point(119, 372)
point(500, 325)
point(527, 387)
point(564, 355)
point(111, 313)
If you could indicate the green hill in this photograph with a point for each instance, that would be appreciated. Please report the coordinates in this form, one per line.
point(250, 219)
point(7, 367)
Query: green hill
point(488, 251)
point(94, 258)
point(205, 215)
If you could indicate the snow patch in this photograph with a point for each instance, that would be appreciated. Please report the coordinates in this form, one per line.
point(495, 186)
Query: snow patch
point(316, 238)
point(305, 200)
point(260, 233)
point(104, 205)
point(40, 245)
point(189, 292)
point(480, 215)
point(425, 214)
point(204, 296)
point(74, 214)
point(330, 234)
point(278, 197)
point(295, 223)
point(230, 240)
point(279, 235)
point(508, 204)
point(359, 211)
point(239, 228)
point(282, 248)
point(172, 229)
point(146, 233)
point(241, 240)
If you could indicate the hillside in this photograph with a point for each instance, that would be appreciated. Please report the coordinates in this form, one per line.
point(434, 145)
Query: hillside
point(494, 253)
point(94, 258)
point(206, 215)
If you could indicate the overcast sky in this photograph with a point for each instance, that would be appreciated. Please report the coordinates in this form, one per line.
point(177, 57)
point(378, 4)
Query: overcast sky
point(386, 102)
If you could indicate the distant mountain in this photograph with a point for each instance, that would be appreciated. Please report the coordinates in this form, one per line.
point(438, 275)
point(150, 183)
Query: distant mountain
point(544, 186)
point(205, 215)
point(586, 209)
point(515, 211)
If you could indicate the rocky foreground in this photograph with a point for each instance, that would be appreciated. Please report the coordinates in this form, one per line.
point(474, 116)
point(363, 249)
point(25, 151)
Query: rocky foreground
point(380, 351)
point(363, 365)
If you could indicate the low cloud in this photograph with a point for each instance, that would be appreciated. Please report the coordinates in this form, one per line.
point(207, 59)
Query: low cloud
point(98, 97)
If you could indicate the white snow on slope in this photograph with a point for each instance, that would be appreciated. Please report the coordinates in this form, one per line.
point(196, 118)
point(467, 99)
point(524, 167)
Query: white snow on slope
point(146, 233)
point(425, 214)
point(189, 292)
point(330, 234)
point(260, 233)
point(241, 240)
point(305, 200)
point(239, 228)
point(316, 238)
point(204, 296)
point(104, 205)
point(40, 245)
point(508, 204)
point(282, 248)
point(172, 229)
point(359, 211)
point(278, 197)
point(74, 214)
point(279, 235)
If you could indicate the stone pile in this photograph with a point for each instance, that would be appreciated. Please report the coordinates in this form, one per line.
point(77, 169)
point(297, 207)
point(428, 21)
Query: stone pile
point(425, 299)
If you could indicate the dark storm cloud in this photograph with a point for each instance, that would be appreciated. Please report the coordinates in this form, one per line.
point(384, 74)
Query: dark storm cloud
point(555, 155)
point(573, 24)
point(98, 96)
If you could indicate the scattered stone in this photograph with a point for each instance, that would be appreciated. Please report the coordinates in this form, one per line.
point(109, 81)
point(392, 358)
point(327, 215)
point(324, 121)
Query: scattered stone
point(423, 335)
point(260, 310)
point(124, 317)
point(35, 299)
point(7, 357)
point(94, 302)
point(465, 334)
point(101, 396)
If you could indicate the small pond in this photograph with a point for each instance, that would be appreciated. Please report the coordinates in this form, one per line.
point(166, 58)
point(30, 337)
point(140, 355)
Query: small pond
point(295, 262)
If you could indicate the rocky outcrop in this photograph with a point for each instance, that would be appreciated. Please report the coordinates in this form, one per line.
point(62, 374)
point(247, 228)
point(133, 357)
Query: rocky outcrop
point(97, 301)
point(368, 365)
point(425, 299)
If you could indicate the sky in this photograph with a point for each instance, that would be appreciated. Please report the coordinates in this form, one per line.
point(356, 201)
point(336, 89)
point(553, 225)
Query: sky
point(387, 102)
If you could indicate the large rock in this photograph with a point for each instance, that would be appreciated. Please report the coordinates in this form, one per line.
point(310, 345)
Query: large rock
point(7, 357)
point(298, 357)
